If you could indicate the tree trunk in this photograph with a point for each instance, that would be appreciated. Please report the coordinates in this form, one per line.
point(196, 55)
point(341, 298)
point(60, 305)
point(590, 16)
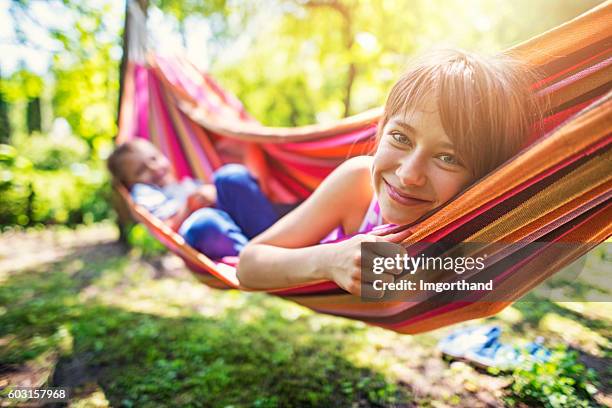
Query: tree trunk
point(349, 39)
point(33, 117)
point(349, 88)
point(5, 126)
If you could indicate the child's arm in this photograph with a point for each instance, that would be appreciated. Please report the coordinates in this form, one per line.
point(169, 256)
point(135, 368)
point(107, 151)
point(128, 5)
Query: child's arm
point(172, 212)
point(205, 196)
point(287, 253)
point(181, 215)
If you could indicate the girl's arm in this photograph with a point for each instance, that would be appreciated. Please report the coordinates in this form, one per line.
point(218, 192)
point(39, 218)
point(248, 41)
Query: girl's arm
point(177, 219)
point(205, 196)
point(288, 252)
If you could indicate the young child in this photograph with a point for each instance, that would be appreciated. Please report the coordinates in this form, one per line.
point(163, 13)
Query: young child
point(448, 121)
point(217, 219)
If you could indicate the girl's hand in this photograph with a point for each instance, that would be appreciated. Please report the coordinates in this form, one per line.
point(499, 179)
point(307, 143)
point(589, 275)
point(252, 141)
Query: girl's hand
point(344, 264)
point(205, 196)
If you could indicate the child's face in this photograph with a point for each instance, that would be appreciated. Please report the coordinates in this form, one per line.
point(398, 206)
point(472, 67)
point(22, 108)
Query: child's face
point(146, 164)
point(415, 167)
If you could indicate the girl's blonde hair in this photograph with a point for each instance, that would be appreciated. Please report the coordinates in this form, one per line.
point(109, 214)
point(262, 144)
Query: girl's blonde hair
point(485, 103)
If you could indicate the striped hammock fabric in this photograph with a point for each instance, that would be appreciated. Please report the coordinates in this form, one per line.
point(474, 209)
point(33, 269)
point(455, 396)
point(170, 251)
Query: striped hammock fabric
point(556, 190)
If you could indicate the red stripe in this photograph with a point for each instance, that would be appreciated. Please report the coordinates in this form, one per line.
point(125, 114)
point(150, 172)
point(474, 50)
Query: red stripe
point(544, 81)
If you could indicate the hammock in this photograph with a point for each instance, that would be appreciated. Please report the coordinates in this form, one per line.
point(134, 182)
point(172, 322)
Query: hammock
point(556, 190)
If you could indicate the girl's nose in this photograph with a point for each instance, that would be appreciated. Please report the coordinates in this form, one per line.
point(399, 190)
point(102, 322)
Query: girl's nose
point(412, 170)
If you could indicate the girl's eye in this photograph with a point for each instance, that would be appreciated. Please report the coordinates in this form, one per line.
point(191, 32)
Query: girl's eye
point(400, 138)
point(449, 159)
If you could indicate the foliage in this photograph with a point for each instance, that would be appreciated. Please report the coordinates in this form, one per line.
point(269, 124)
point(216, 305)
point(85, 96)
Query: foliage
point(139, 238)
point(316, 60)
point(157, 359)
point(561, 382)
point(185, 8)
point(86, 75)
point(21, 86)
point(54, 153)
point(68, 196)
point(64, 181)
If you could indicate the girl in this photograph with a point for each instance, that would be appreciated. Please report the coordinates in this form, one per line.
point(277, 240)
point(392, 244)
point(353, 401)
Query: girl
point(217, 219)
point(449, 120)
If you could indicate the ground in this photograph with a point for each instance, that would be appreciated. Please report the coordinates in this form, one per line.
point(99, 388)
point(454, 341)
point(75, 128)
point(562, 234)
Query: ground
point(78, 310)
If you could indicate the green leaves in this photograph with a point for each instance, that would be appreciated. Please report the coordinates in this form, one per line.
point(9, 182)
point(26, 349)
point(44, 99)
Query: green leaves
point(561, 382)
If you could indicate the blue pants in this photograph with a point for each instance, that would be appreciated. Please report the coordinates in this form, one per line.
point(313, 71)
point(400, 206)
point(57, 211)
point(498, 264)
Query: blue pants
point(241, 212)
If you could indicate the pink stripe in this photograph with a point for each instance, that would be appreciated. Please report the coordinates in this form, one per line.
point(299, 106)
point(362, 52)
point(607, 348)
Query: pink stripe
point(229, 99)
point(281, 193)
point(197, 89)
point(172, 71)
point(429, 314)
point(291, 157)
point(316, 169)
point(142, 101)
point(202, 161)
point(168, 133)
point(544, 81)
point(553, 121)
point(175, 77)
point(189, 143)
point(390, 309)
point(338, 140)
point(290, 183)
point(169, 75)
point(576, 77)
point(321, 287)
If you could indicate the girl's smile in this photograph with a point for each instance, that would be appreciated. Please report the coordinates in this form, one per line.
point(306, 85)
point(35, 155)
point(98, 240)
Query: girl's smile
point(404, 198)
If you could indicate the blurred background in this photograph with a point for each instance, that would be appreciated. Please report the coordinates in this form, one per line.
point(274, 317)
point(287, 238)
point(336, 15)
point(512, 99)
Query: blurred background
point(292, 62)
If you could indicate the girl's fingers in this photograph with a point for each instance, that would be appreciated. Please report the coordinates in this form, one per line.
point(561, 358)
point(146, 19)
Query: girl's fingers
point(369, 277)
point(389, 249)
point(368, 291)
point(373, 260)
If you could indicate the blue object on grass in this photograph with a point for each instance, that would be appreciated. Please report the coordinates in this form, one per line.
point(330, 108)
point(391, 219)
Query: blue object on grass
point(505, 357)
point(461, 341)
point(537, 352)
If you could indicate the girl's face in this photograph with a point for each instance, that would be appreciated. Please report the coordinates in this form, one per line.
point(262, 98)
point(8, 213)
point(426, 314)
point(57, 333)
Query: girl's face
point(415, 166)
point(146, 164)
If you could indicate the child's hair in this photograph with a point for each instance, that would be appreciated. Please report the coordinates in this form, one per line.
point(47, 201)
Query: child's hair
point(114, 163)
point(485, 103)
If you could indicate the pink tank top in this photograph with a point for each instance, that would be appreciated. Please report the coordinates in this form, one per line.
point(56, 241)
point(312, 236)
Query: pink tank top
point(372, 219)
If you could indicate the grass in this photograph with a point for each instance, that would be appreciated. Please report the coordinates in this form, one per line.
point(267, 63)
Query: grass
point(121, 329)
